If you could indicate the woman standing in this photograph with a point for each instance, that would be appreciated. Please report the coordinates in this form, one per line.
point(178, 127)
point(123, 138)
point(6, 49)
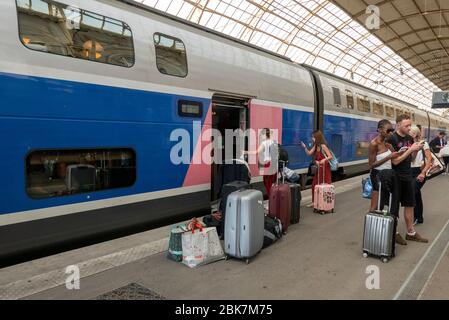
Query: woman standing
point(268, 156)
point(380, 156)
point(422, 162)
point(321, 155)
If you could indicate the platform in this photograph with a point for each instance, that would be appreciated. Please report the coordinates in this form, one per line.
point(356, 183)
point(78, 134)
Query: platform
point(320, 258)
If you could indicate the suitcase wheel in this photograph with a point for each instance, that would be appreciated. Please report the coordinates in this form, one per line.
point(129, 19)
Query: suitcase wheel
point(365, 255)
point(247, 261)
point(226, 257)
point(385, 260)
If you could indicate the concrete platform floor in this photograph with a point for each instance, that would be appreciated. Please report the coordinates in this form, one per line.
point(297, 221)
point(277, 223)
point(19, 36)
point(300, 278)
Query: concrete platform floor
point(320, 258)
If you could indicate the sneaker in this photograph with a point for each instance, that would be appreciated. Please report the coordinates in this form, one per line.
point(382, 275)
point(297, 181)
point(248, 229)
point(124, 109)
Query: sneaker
point(416, 238)
point(400, 240)
point(310, 205)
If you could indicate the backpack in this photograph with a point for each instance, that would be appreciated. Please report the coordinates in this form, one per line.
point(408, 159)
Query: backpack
point(283, 154)
point(334, 162)
point(272, 231)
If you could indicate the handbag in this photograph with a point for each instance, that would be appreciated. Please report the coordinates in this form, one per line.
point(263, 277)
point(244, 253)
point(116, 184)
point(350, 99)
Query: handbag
point(436, 169)
point(313, 169)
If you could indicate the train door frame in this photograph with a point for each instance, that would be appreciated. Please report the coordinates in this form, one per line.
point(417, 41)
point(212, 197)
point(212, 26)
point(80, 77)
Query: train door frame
point(231, 103)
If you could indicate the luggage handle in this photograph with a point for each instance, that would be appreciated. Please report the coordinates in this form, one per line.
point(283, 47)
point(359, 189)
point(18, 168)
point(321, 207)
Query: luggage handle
point(281, 172)
point(380, 197)
point(319, 167)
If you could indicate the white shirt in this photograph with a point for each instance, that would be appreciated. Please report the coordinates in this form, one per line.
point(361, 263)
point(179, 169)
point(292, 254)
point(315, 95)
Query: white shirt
point(386, 165)
point(267, 149)
point(419, 160)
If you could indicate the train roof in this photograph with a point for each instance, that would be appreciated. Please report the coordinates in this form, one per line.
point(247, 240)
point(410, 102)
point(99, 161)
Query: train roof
point(262, 50)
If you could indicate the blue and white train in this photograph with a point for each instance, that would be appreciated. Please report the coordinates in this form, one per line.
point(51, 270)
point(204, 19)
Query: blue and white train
point(100, 85)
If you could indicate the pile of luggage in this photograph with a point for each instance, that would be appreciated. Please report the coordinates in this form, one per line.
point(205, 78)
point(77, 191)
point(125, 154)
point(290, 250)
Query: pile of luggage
point(242, 223)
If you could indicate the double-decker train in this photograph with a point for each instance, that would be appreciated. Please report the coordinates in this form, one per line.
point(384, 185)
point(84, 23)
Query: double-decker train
point(92, 91)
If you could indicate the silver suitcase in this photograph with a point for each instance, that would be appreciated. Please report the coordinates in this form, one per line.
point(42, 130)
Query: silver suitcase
point(244, 224)
point(379, 233)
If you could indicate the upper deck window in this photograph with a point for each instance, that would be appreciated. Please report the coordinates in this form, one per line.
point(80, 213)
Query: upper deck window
point(171, 55)
point(57, 28)
point(363, 104)
point(349, 99)
point(378, 108)
point(337, 96)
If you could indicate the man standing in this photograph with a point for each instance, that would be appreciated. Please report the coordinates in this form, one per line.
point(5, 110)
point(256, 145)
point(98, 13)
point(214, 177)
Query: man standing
point(401, 140)
point(438, 143)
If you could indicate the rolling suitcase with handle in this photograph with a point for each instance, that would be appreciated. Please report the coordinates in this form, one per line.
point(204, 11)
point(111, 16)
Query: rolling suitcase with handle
point(244, 224)
point(324, 196)
point(379, 232)
point(295, 194)
point(280, 203)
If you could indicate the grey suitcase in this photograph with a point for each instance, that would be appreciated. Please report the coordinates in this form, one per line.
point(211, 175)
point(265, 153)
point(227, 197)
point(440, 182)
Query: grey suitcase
point(244, 224)
point(379, 233)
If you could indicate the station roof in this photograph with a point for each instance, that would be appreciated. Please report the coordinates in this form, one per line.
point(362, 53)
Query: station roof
point(417, 30)
point(327, 34)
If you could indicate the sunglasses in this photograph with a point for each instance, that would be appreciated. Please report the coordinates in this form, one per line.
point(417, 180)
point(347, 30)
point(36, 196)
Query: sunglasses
point(390, 130)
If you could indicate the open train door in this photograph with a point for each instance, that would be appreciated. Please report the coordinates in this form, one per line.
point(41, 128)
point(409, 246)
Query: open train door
point(229, 113)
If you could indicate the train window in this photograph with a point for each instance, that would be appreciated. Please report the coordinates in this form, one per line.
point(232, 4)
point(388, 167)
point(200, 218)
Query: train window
point(378, 108)
point(337, 97)
point(349, 99)
point(362, 149)
point(53, 27)
point(55, 173)
point(190, 109)
point(389, 111)
point(171, 56)
point(363, 104)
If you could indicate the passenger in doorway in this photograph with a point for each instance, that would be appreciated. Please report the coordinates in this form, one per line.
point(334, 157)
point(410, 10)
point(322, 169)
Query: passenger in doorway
point(401, 140)
point(267, 158)
point(438, 143)
point(380, 155)
point(321, 155)
point(422, 162)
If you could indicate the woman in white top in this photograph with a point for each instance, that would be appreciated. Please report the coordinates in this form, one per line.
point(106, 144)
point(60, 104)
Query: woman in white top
point(268, 157)
point(380, 156)
point(421, 163)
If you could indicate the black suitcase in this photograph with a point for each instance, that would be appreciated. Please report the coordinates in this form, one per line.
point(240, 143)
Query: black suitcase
point(295, 190)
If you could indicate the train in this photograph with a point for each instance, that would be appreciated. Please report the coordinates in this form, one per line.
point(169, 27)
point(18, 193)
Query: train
point(92, 91)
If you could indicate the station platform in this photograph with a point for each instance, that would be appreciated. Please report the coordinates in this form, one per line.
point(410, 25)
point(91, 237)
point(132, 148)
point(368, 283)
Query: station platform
point(319, 258)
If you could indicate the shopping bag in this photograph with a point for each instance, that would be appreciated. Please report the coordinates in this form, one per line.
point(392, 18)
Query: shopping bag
point(175, 243)
point(201, 247)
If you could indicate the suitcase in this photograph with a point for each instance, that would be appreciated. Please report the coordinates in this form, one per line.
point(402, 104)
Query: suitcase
point(295, 193)
point(324, 197)
point(244, 225)
point(280, 203)
point(379, 233)
point(228, 189)
point(81, 178)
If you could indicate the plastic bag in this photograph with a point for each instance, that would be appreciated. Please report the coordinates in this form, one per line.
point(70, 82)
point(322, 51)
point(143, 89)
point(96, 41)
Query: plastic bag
point(201, 247)
point(367, 188)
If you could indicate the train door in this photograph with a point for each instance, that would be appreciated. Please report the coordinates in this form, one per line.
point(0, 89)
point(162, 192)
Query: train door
point(228, 114)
